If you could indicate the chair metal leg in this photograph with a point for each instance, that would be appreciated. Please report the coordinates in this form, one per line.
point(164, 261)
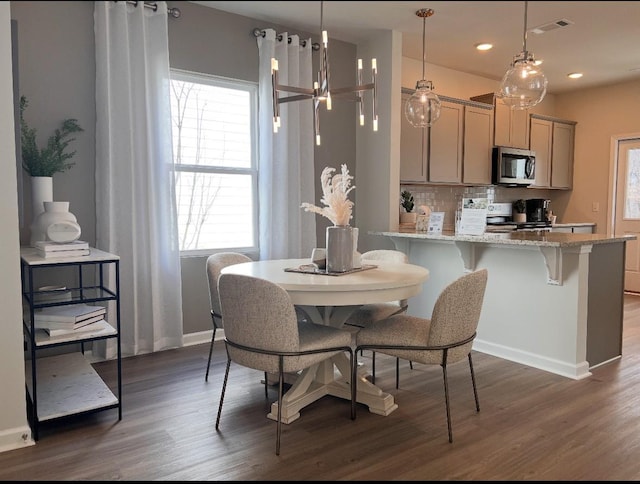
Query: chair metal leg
point(373, 367)
point(473, 380)
point(224, 387)
point(213, 337)
point(280, 388)
point(354, 370)
point(354, 383)
point(411, 364)
point(397, 372)
point(446, 398)
point(266, 385)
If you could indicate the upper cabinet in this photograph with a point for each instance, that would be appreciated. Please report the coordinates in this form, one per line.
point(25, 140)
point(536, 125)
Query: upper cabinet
point(553, 141)
point(455, 150)
point(478, 143)
point(541, 135)
point(445, 144)
point(413, 149)
point(562, 155)
point(511, 126)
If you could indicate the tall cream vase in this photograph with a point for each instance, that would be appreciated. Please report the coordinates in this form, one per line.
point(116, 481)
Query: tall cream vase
point(41, 191)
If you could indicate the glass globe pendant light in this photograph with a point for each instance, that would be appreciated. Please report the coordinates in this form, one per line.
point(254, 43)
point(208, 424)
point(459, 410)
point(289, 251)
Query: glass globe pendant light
point(422, 109)
point(524, 85)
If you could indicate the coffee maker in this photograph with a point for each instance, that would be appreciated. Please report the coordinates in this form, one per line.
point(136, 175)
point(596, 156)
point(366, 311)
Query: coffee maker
point(537, 210)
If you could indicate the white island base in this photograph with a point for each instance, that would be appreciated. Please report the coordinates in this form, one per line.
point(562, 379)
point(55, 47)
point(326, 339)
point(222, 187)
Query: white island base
point(553, 302)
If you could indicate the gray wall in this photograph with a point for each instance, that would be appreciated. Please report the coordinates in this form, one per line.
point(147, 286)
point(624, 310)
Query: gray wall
point(57, 74)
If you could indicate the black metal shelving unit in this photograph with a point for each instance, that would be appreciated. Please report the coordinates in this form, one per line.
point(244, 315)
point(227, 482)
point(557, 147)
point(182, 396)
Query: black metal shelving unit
point(66, 384)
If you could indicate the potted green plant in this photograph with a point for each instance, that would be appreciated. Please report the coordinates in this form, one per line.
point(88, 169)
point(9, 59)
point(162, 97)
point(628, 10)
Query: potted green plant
point(53, 158)
point(519, 210)
point(407, 202)
point(42, 164)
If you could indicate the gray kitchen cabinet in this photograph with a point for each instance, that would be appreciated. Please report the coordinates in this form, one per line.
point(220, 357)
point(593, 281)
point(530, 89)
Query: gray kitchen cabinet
point(413, 149)
point(541, 134)
point(445, 144)
point(478, 143)
point(511, 126)
point(562, 155)
point(553, 141)
point(455, 150)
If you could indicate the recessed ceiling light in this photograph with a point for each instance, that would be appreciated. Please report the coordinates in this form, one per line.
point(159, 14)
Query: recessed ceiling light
point(575, 75)
point(484, 46)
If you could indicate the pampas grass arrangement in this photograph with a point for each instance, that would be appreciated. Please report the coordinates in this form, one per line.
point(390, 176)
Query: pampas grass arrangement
point(335, 189)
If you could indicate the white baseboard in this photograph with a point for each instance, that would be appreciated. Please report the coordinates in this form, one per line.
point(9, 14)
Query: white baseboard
point(16, 438)
point(201, 337)
point(573, 371)
point(187, 340)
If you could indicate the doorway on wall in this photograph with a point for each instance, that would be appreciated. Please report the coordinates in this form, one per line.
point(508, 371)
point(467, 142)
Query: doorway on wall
point(626, 203)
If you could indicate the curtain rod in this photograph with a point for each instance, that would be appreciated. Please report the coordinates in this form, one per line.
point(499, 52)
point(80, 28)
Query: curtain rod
point(262, 33)
point(173, 12)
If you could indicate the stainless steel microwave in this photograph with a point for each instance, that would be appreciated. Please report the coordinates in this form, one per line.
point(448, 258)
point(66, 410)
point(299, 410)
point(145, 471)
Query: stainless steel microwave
point(513, 166)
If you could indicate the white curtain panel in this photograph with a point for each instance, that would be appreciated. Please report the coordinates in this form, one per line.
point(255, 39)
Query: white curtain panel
point(286, 169)
point(135, 200)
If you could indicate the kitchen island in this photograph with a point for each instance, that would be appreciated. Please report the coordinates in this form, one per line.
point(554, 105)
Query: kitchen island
point(554, 301)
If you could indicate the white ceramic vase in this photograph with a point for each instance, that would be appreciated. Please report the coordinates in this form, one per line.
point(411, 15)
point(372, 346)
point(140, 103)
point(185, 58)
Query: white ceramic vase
point(55, 224)
point(357, 256)
point(41, 191)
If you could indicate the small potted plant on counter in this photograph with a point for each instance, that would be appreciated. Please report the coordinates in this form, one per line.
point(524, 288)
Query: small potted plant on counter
point(519, 211)
point(407, 202)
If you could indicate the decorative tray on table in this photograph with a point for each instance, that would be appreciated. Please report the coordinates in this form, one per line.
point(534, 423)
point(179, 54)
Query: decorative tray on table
point(313, 269)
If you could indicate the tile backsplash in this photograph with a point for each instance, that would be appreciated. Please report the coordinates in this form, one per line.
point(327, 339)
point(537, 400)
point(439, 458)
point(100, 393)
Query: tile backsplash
point(447, 198)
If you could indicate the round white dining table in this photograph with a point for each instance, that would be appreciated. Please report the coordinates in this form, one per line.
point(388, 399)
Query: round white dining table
point(329, 299)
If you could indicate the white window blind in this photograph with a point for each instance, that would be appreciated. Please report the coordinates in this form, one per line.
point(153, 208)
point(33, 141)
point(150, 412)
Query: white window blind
point(214, 148)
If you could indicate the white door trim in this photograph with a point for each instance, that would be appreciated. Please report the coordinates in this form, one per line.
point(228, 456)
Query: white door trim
point(613, 174)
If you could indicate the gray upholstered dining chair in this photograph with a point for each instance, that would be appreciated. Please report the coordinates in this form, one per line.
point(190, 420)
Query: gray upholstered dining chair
point(215, 264)
point(263, 332)
point(369, 313)
point(444, 339)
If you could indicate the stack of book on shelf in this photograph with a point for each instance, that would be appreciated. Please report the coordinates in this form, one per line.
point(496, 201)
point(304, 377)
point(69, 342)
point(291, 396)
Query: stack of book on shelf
point(48, 249)
point(67, 320)
point(52, 294)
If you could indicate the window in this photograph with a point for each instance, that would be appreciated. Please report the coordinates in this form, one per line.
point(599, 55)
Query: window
point(215, 154)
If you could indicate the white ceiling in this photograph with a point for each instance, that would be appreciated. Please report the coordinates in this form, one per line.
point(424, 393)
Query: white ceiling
point(603, 40)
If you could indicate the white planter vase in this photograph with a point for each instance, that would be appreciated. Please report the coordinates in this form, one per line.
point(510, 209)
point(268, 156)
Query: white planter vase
point(55, 224)
point(41, 191)
point(357, 256)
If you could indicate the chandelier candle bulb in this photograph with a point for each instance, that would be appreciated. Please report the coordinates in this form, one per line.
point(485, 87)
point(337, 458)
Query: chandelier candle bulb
point(321, 91)
point(374, 76)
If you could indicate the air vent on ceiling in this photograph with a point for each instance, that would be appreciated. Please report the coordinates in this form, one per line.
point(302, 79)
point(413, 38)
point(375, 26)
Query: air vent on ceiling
point(556, 24)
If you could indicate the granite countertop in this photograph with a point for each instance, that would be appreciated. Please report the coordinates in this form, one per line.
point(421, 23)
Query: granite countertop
point(536, 239)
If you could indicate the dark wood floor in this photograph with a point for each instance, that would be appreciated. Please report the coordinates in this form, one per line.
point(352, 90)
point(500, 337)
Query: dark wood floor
point(533, 425)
